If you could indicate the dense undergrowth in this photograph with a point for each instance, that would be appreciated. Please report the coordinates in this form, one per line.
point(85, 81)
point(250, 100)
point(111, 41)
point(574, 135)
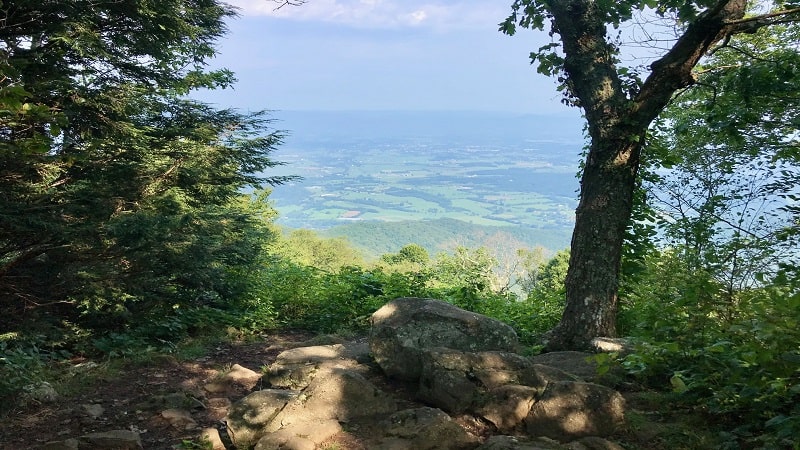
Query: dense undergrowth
point(733, 365)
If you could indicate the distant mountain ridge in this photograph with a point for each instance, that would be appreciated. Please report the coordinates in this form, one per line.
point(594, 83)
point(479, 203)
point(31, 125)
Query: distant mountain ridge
point(460, 125)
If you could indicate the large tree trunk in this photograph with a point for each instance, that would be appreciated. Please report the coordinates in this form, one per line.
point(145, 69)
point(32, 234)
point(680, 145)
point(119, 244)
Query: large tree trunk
point(617, 124)
point(607, 187)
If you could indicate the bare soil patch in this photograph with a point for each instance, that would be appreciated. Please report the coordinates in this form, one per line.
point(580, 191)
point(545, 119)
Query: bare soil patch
point(130, 399)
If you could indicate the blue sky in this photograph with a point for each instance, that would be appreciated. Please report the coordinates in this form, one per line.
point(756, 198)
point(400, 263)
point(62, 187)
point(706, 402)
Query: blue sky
point(382, 55)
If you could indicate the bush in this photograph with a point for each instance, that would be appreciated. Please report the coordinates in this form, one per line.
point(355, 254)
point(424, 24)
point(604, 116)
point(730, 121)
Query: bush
point(735, 361)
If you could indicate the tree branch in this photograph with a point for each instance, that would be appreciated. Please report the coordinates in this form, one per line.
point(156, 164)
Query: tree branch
point(674, 70)
point(763, 20)
point(282, 3)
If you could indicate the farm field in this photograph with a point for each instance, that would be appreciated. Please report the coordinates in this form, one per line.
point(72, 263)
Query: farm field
point(494, 179)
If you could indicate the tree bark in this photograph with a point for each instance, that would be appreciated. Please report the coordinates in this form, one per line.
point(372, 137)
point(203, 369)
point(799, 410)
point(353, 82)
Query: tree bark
point(617, 125)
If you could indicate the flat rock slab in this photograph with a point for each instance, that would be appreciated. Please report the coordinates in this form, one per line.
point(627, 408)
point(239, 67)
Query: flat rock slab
point(342, 395)
point(424, 429)
point(520, 443)
point(248, 418)
point(111, 440)
point(580, 364)
point(296, 368)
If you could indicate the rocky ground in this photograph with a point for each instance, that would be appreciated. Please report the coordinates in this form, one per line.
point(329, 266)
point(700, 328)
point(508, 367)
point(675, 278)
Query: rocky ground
point(136, 398)
point(332, 394)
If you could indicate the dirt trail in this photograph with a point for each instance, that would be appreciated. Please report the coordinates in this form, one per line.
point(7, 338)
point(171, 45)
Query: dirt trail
point(135, 398)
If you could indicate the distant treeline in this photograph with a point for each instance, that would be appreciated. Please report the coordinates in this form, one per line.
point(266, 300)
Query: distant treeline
point(376, 238)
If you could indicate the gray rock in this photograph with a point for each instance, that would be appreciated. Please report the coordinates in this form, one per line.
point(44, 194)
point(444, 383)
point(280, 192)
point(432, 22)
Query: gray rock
point(237, 377)
point(68, 444)
point(570, 410)
point(499, 386)
point(179, 419)
point(300, 436)
point(580, 364)
point(93, 410)
point(519, 443)
point(248, 418)
point(507, 406)
point(455, 381)
point(42, 392)
point(342, 395)
point(296, 368)
point(111, 440)
point(621, 346)
point(425, 429)
point(404, 328)
point(593, 443)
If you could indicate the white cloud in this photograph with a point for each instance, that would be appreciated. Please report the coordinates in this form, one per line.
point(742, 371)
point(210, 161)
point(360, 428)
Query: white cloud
point(417, 17)
point(436, 14)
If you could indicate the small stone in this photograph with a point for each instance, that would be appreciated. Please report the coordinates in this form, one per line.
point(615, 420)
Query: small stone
point(179, 419)
point(242, 375)
point(40, 393)
point(93, 410)
point(111, 440)
point(69, 444)
point(216, 387)
point(211, 435)
point(593, 443)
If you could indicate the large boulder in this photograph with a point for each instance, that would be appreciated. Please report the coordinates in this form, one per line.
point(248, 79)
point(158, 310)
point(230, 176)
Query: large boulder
point(500, 387)
point(455, 381)
point(569, 410)
point(406, 327)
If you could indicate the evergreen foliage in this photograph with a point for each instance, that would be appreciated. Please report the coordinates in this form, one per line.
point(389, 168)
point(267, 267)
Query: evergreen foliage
point(120, 199)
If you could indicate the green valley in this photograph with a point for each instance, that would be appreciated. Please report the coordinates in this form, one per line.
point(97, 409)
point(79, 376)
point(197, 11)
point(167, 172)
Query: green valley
point(449, 177)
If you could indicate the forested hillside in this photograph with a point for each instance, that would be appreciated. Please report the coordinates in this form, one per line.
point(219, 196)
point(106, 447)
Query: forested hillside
point(136, 222)
point(376, 238)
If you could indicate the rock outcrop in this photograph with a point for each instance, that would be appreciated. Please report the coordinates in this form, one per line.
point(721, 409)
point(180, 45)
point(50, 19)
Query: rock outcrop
point(404, 328)
point(461, 366)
